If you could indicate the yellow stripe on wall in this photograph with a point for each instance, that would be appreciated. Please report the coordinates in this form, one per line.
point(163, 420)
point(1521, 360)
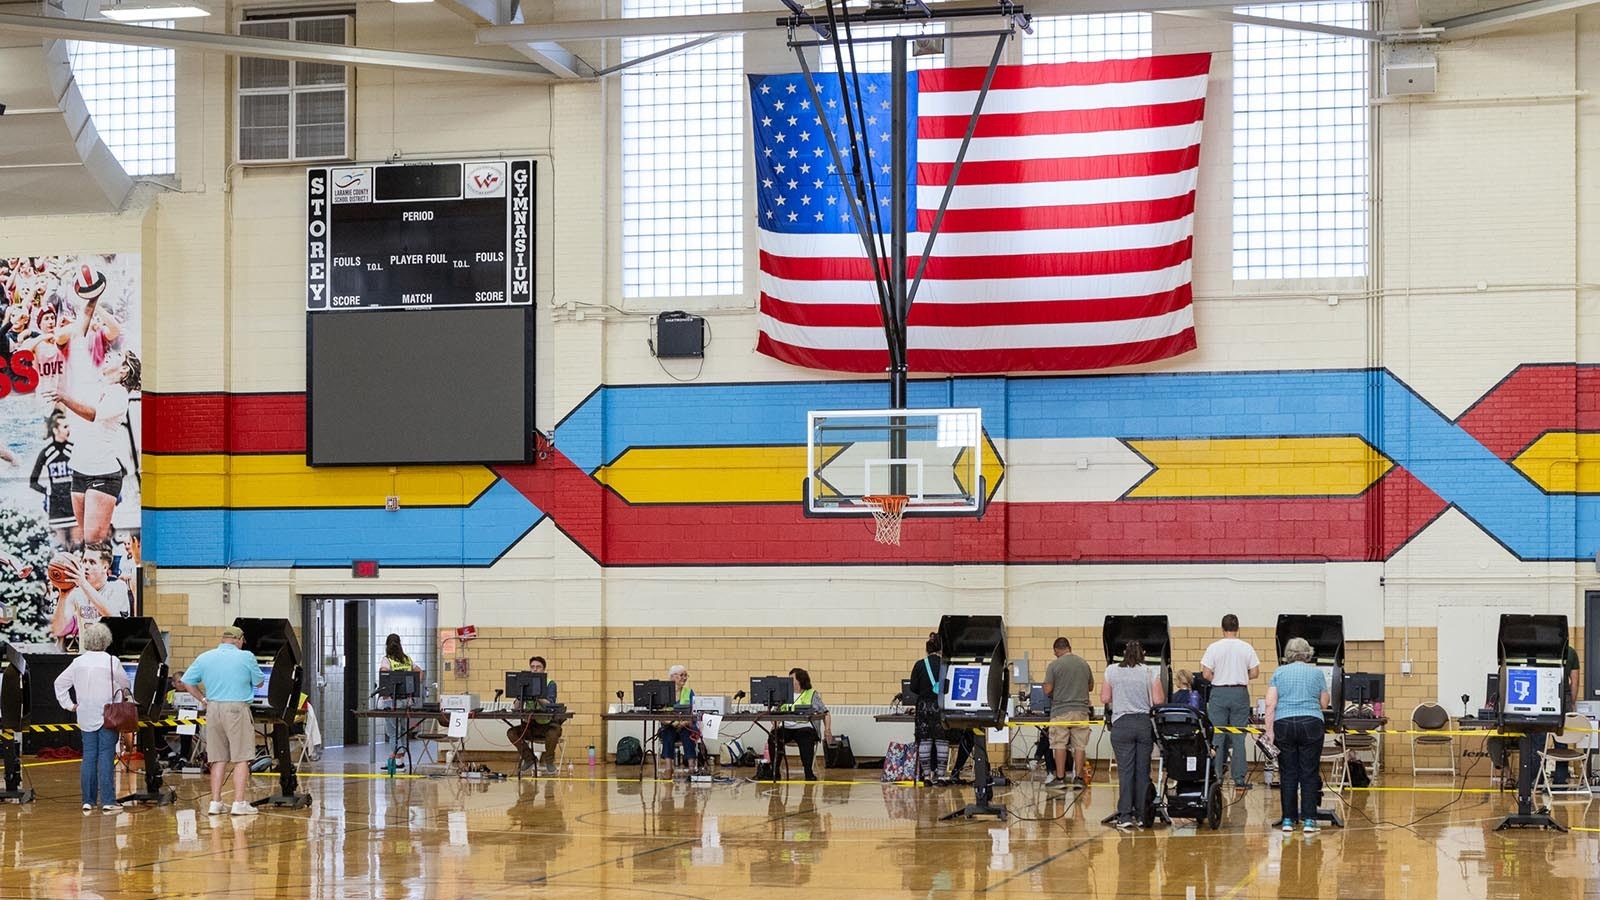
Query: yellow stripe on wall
point(283, 480)
point(1563, 462)
point(731, 474)
point(1259, 467)
point(707, 474)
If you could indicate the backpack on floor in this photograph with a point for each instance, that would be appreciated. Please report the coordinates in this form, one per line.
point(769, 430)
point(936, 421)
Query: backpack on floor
point(836, 754)
point(630, 752)
point(739, 754)
point(898, 762)
point(1358, 774)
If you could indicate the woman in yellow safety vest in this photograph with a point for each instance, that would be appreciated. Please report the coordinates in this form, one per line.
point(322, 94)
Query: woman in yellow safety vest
point(396, 660)
point(680, 734)
point(801, 731)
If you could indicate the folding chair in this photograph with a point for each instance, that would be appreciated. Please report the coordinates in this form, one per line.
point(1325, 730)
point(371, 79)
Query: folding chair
point(1334, 753)
point(1432, 717)
point(1566, 747)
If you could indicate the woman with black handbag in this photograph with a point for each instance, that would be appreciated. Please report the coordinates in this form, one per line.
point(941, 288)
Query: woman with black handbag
point(91, 683)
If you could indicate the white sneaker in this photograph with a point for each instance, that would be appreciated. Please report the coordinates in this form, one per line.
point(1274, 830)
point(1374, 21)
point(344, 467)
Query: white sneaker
point(112, 808)
point(241, 808)
point(1050, 779)
point(215, 808)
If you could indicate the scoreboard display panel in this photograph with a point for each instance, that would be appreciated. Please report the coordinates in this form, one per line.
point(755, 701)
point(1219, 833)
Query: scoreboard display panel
point(418, 236)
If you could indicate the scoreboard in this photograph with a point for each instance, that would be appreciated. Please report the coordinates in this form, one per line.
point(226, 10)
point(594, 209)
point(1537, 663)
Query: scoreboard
point(425, 235)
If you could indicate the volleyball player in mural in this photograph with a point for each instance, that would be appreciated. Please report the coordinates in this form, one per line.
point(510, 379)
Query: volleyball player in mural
point(77, 507)
point(97, 471)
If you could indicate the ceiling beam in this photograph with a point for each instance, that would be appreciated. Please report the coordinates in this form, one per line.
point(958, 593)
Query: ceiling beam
point(1286, 24)
point(553, 57)
point(1493, 20)
point(728, 23)
point(268, 48)
point(558, 60)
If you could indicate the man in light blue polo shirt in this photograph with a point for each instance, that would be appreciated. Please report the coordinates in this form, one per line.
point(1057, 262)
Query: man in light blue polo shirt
point(224, 681)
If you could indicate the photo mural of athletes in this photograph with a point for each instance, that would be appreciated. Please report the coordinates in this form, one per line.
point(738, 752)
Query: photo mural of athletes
point(69, 443)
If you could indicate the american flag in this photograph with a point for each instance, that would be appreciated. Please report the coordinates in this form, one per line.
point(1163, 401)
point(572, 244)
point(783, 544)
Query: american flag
point(1067, 243)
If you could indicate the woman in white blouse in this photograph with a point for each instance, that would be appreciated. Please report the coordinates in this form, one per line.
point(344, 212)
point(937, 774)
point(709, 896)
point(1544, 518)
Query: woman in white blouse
point(88, 684)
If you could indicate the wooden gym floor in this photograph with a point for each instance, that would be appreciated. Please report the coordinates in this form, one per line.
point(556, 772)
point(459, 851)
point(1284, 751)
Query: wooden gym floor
point(609, 835)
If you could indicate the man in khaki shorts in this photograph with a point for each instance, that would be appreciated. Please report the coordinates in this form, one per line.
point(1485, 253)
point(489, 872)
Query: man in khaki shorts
point(224, 680)
point(1067, 683)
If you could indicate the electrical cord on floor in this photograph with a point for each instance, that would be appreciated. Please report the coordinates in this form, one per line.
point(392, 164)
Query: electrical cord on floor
point(1407, 826)
point(1044, 797)
point(1461, 791)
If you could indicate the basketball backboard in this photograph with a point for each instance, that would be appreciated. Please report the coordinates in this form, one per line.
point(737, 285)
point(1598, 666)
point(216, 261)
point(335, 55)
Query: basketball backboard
point(854, 454)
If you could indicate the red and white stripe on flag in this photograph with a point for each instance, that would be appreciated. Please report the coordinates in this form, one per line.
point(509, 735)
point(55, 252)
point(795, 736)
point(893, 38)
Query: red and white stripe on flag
point(1067, 243)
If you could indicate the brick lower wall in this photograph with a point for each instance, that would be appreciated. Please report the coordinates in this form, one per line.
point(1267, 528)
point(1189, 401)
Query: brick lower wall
point(847, 665)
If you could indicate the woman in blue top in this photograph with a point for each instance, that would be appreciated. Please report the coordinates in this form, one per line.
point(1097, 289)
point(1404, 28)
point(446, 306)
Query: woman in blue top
point(1296, 696)
point(683, 733)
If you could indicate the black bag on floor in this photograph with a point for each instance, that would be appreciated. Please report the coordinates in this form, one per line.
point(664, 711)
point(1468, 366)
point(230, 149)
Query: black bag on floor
point(836, 753)
point(1358, 774)
point(630, 752)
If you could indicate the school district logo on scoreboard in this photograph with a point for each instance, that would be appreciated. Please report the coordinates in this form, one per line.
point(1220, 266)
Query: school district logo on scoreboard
point(486, 180)
point(351, 185)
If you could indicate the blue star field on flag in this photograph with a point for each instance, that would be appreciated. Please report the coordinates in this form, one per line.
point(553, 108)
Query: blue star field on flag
point(799, 188)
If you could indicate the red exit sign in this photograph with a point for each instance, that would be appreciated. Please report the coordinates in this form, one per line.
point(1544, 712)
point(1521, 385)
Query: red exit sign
point(364, 568)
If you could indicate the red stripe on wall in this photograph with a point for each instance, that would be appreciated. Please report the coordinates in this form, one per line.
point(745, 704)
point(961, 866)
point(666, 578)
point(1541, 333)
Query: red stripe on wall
point(1270, 530)
point(224, 423)
point(1531, 401)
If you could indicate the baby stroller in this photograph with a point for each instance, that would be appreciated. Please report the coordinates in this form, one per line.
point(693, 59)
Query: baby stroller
point(1184, 735)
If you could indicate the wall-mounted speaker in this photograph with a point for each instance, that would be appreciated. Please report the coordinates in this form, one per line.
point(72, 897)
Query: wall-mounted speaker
point(1416, 75)
point(680, 335)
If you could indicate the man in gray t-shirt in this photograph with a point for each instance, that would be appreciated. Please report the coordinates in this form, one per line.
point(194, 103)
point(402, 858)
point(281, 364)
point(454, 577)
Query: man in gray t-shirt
point(1067, 682)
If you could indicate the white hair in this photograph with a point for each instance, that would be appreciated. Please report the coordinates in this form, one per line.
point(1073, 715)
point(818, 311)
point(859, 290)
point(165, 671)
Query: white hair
point(95, 637)
point(677, 670)
point(1297, 650)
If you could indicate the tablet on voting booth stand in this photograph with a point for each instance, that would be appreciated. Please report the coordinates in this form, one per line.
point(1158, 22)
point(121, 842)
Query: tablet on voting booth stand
point(1533, 651)
point(972, 694)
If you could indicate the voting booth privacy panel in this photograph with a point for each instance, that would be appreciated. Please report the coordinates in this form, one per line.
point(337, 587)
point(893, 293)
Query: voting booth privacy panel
point(1533, 651)
point(976, 678)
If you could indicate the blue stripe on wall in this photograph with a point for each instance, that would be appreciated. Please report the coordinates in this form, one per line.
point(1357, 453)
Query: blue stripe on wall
point(475, 535)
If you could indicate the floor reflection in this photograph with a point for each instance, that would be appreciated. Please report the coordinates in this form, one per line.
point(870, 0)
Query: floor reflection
point(410, 837)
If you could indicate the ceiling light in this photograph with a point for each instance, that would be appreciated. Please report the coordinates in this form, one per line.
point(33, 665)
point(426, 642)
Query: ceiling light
point(410, 1)
point(151, 11)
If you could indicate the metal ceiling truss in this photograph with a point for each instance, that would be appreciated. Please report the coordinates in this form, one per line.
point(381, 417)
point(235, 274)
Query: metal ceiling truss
point(268, 48)
point(1492, 20)
point(894, 295)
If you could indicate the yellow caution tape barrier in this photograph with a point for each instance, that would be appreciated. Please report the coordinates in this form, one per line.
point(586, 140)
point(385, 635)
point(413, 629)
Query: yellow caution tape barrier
point(68, 726)
point(1256, 729)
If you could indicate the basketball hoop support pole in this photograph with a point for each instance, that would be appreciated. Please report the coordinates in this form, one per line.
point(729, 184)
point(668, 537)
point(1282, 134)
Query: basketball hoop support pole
point(897, 266)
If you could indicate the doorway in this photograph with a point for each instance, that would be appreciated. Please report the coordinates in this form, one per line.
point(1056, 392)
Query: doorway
point(343, 647)
point(1591, 646)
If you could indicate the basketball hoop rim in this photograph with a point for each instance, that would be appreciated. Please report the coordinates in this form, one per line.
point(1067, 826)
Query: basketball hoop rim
point(891, 504)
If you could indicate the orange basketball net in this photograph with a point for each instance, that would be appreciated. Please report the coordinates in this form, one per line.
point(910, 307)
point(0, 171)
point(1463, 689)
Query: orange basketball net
point(887, 510)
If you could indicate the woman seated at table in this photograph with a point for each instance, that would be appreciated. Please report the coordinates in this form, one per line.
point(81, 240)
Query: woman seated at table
point(802, 732)
point(680, 735)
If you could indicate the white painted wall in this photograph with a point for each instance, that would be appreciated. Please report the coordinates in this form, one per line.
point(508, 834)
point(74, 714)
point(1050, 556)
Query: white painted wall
point(1495, 179)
